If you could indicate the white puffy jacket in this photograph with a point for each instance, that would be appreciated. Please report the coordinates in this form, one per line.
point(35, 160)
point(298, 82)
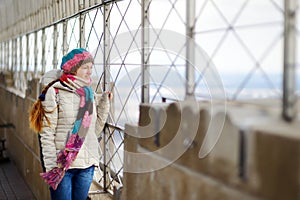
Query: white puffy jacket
point(63, 107)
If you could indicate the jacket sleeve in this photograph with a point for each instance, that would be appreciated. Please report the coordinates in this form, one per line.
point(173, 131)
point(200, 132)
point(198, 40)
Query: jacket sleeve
point(103, 106)
point(47, 135)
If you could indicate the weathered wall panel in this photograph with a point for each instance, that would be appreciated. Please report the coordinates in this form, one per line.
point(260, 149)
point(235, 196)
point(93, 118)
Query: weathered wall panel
point(255, 157)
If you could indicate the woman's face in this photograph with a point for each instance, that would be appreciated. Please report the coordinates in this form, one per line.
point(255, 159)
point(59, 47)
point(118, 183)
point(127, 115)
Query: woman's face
point(85, 71)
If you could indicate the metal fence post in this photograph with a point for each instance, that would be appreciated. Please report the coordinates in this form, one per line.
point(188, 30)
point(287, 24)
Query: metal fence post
point(35, 52)
point(27, 55)
point(106, 79)
point(190, 49)
point(44, 37)
point(1, 55)
point(6, 55)
point(145, 52)
point(65, 37)
point(21, 54)
point(14, 55)
point(81, 30)
point(289, 72)
point(55, 39)
point(81, 26)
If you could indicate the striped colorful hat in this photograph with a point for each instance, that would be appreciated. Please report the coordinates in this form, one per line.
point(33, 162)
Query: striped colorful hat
point(74, 59)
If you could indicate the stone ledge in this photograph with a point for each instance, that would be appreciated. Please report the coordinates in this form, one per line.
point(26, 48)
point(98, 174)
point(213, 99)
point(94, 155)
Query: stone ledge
point(243, 156)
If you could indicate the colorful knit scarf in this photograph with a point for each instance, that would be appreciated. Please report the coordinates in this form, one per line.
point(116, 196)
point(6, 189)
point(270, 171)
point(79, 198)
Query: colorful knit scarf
point(83, 120)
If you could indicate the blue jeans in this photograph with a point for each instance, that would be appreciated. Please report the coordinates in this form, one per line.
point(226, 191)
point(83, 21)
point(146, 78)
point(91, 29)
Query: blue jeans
point(75, 185)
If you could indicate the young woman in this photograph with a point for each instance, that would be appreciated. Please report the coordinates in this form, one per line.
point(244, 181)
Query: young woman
point(69, 120)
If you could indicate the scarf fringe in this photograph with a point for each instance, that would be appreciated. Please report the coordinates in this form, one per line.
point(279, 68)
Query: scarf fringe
point(53, 177)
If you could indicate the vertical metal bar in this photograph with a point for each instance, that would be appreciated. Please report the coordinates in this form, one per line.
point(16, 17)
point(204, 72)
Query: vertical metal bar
point(11, 50)
point(10, 55)
point(21, 54)
point(55, 39)
point(2, 21)
point(82, 30)
point(15, 55)
point(5, 55)
point(22, 78)
point(190, 49)
point(65, 37)
point(145, 53)
point(35, 54)
point(15, 64)
point(18, 47)
point(1, 56)
point(106, 61)
point(14, 50)
point(289, 72)
point(11, 47)
point(106, 50)
point(43, 51)
point(82, 4)
point(27, 56)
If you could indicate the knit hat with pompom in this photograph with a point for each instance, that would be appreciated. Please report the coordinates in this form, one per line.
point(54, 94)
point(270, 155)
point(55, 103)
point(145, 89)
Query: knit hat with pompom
point(74, 59)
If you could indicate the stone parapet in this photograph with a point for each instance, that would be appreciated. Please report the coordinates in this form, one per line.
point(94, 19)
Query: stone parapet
point(199, 150)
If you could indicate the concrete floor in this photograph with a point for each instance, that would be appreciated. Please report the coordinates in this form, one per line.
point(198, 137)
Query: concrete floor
point(12, 185)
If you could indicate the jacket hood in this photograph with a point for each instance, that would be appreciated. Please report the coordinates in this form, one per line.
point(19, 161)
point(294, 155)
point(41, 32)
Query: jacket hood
point(51, 76)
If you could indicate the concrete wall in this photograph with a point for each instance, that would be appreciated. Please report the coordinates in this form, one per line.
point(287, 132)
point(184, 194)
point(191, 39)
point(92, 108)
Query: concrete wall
point(256, 155)
point(22, 143)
